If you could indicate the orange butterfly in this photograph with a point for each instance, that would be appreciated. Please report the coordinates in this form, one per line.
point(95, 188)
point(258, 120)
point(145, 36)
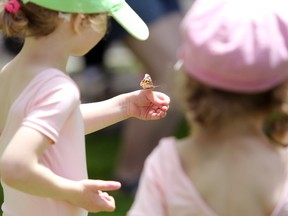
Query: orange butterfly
point(147, 83)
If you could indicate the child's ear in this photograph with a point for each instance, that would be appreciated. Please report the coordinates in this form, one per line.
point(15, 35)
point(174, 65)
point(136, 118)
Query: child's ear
point(77, 23)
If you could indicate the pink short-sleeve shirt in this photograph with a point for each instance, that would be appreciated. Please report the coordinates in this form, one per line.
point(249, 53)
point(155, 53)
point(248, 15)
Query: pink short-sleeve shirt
point(49, 104)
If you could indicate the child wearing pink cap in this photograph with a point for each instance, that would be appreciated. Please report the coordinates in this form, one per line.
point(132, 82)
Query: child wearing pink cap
point(42, 121)
point(234, 86)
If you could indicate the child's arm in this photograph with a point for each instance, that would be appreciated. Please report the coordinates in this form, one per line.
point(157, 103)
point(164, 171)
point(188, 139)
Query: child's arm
point(20, 169)
point(142, 104)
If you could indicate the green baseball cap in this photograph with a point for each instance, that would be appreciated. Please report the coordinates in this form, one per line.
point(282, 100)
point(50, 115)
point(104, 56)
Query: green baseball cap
point(118, 9)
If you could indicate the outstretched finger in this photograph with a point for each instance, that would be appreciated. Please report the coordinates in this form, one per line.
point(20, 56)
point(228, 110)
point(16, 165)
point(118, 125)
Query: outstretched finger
point(104, 185)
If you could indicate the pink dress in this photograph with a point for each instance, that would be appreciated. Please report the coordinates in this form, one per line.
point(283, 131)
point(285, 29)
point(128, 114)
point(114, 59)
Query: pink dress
point(50, 104)
point(166, 190)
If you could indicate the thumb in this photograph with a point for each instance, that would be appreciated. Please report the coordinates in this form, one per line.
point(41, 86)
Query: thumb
point(160, 98)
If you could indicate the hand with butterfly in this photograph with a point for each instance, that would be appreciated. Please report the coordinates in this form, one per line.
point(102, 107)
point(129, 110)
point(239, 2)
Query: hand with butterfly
point(148, 105)
point(142, 104)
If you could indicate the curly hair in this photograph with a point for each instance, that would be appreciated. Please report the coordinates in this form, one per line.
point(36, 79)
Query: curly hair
point(211, 107)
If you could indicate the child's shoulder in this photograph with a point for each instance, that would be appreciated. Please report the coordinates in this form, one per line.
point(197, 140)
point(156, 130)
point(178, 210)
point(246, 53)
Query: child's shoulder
point(48, 84)
point(172, 144)
point(166, 149)
point(51, 73)
point(54, 80)
point(52, 77)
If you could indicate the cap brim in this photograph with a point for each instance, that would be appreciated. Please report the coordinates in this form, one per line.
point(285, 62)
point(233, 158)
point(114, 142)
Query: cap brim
point(131, 22)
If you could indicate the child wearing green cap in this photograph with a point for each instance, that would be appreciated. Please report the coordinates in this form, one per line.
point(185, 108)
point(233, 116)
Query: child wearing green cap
point(42, 122)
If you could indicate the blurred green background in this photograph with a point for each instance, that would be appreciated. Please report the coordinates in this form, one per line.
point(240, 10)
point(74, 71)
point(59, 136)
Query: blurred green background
point(102, 148)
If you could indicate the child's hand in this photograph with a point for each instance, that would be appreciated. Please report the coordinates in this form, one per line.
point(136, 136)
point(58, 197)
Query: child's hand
point(148, 105)
point(93, 199)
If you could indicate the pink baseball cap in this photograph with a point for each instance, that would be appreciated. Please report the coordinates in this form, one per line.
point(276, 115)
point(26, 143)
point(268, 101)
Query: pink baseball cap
point(236, 45)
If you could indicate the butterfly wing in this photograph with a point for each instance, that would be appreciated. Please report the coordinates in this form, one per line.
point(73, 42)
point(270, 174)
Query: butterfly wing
point(147, 83)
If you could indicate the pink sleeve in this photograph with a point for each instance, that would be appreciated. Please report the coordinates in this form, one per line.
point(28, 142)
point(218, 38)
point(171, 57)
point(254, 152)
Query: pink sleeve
point(51, 106)
point(149, 199)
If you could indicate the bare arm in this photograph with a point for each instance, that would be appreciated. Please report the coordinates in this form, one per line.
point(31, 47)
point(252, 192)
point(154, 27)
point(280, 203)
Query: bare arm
point(20, 169)
point(142, 104)
point(99, 115)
